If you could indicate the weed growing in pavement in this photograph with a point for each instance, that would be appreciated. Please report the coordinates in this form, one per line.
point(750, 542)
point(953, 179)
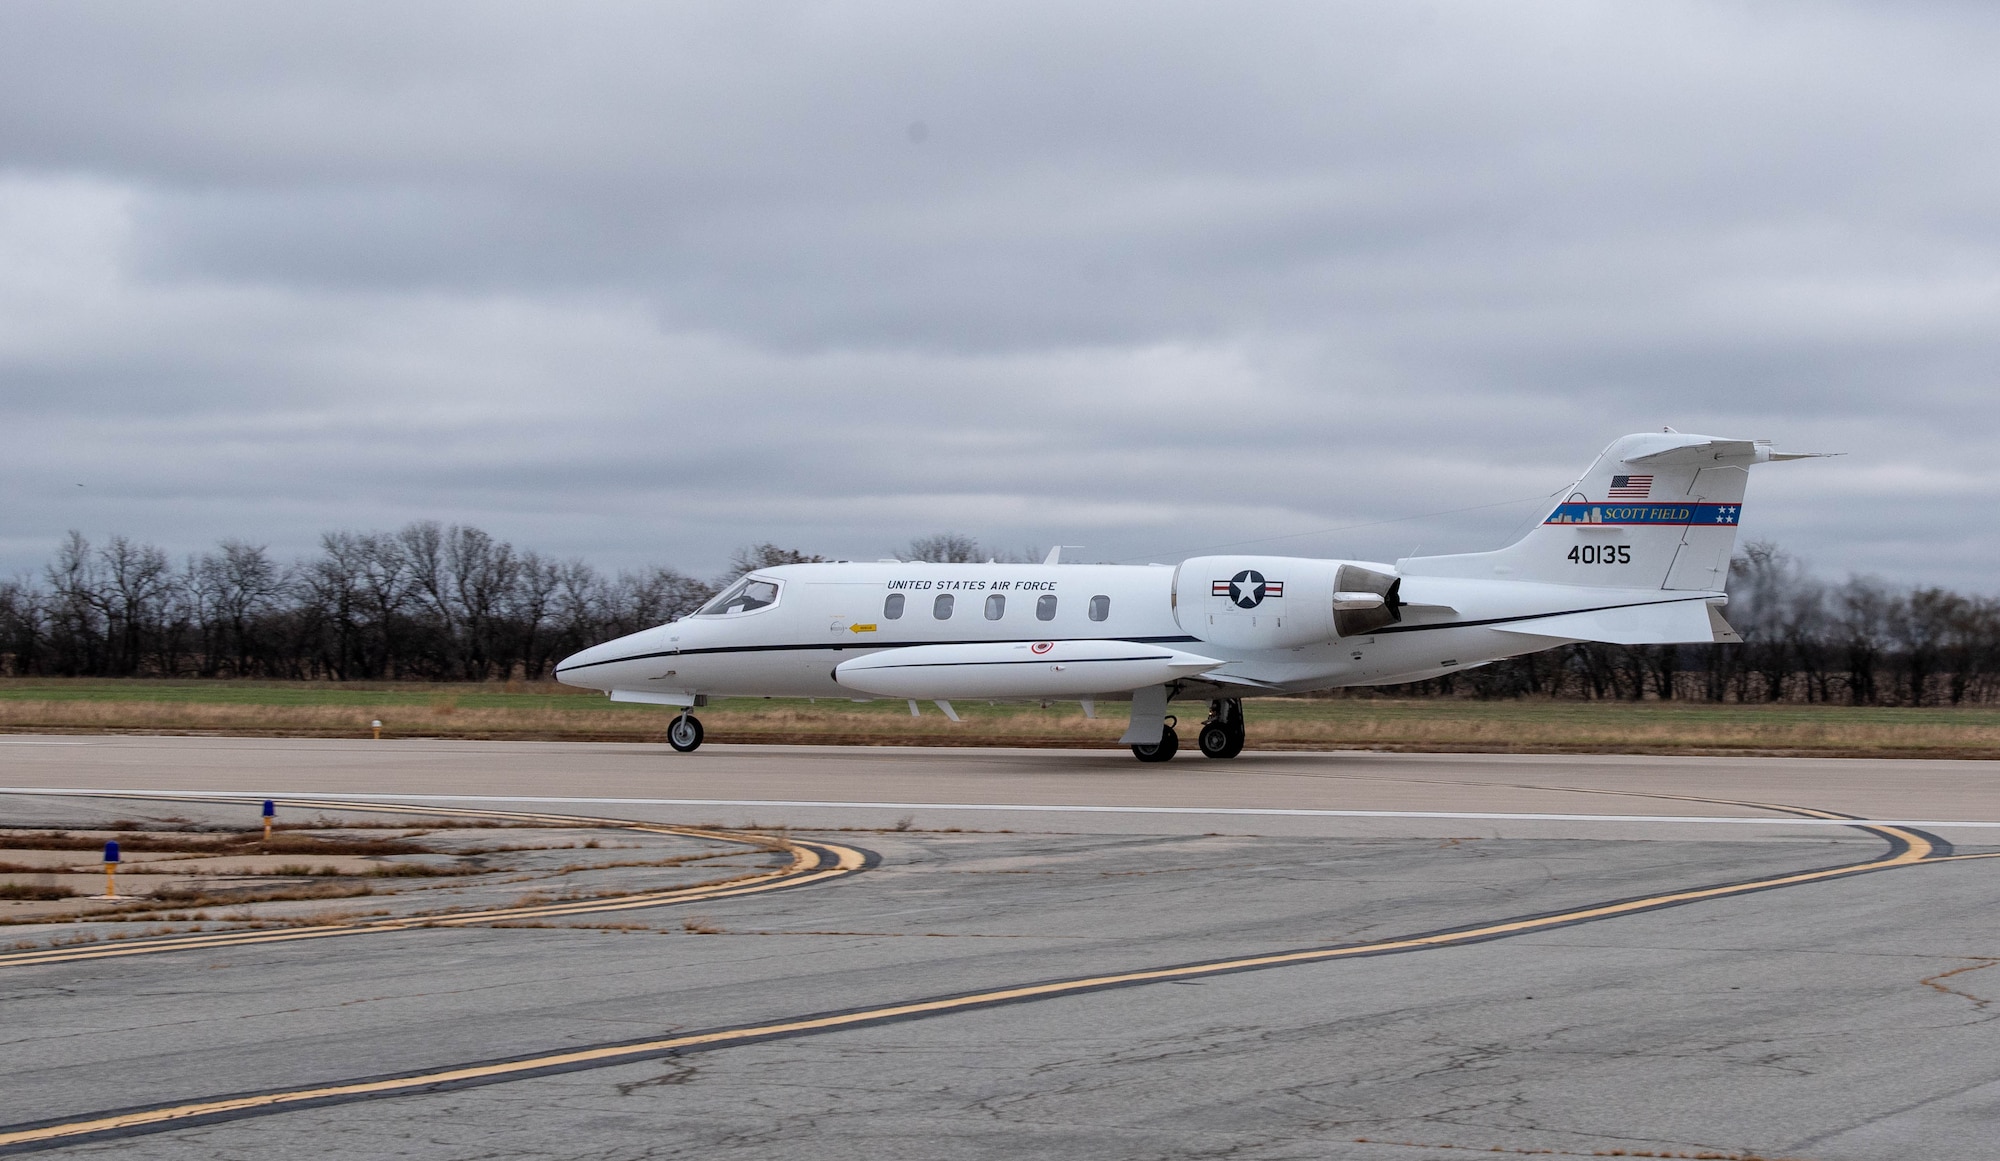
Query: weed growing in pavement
point(418, 871)
point(38, 891)
point(168, 898)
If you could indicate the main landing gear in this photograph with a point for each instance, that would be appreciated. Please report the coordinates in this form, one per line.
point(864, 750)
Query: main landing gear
point(1168, 745)
point(1222, 734)
point(685, 734)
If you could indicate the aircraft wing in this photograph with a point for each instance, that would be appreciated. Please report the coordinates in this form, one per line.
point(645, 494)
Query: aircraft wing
point(1247, 682)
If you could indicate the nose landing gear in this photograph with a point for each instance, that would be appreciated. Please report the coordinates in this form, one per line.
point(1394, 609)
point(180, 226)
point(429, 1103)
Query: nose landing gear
point(1222, 734)
point(685, 734)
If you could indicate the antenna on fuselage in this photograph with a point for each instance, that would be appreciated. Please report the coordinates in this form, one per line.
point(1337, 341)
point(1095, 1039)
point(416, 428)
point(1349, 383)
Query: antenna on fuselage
point(1055, 554)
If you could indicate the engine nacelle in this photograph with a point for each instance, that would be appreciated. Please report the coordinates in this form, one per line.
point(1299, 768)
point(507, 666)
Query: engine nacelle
point(1282, 602)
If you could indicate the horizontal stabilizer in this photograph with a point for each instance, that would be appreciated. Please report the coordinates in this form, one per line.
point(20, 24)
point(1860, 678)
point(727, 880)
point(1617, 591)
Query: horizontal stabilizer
point(1664, 623)
point(1700, 451)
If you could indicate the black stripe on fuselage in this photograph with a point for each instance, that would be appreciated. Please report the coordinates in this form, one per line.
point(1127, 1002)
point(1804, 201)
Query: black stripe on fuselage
point(851, 645)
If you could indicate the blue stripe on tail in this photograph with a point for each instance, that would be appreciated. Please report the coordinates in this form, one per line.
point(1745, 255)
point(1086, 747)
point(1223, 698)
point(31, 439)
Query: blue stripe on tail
point(1708, 515)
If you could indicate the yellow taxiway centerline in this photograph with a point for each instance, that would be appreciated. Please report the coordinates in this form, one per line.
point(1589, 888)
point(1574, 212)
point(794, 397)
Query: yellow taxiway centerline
point(1917, 849)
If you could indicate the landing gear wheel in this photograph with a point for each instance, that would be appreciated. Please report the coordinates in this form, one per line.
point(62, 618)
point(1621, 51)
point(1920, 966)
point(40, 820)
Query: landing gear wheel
point(1222, 734)
point(1218, 740)
point(1168, 746)
point(685, 734)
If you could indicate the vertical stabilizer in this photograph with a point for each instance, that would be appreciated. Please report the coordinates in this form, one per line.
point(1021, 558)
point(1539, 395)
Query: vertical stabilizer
point(1656, 511)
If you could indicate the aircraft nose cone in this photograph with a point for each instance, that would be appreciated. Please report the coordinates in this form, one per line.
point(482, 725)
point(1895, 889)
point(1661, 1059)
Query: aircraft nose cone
point(576, 669)
point(609, 664)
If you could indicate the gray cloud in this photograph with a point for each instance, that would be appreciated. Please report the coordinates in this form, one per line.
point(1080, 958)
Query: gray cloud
point(641, 283)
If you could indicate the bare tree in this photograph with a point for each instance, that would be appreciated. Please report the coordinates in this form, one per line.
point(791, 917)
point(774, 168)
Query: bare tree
point(944, 548)
point(766, 555)
point(23, 618)
point(654, 597)
point(231, 592)
point(76, 608)
point(1866, 608)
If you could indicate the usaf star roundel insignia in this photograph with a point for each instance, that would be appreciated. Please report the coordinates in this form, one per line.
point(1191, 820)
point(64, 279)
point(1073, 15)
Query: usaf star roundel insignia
point(1247, 589)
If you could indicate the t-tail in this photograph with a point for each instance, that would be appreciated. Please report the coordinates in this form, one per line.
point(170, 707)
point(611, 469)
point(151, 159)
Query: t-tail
point(1658, 510)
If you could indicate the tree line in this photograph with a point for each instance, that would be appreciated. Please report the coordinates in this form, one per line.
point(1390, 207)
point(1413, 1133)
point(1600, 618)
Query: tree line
point(453, 603)
point(426, 602)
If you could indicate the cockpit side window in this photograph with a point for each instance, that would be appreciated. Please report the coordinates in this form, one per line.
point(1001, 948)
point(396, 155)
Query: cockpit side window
point(745, 596)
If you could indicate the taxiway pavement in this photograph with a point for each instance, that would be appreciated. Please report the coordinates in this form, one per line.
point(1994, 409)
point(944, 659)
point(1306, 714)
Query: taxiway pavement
point(1600, 1002)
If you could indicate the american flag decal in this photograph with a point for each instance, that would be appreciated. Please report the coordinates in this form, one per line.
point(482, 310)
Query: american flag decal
point(1630, 487)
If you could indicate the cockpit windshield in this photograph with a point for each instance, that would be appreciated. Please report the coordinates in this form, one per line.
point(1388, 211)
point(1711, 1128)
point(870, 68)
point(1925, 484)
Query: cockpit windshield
point(747, 595)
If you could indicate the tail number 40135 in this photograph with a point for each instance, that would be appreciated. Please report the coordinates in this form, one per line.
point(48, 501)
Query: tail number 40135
point(1601, 554)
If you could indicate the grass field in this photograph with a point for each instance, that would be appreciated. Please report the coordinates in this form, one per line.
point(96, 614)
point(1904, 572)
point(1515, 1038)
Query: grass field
point(545, 711)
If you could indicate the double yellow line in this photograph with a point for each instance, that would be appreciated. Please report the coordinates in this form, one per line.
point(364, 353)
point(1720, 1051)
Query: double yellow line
point(1907, 848)
point(811, 862)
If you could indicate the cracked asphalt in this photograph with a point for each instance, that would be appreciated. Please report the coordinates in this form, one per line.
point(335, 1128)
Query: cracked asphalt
point(1848, 1018)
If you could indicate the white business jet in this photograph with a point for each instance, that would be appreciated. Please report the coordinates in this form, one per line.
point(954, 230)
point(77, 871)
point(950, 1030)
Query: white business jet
point(1635, 553)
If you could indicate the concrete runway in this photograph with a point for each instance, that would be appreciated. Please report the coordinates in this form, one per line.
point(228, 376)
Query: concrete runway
point(1141, 984)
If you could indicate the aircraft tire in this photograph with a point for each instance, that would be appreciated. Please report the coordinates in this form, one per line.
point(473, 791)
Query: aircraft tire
point(1169, 745)
point(1219, 740)
point(685, 734)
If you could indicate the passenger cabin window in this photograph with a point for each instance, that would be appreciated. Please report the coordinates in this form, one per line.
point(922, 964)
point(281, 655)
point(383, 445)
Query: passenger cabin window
point(892, 609)
point(941, 608)
point(1045, 608)
point(1100, 608)
point(745, 596)
point(996, 607)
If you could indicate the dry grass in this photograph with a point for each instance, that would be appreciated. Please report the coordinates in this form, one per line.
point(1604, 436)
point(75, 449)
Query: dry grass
point(284, 720)
point(324, 710)
point(183, 898)
point(35, 892)
point(418, 871)
point(247, 843)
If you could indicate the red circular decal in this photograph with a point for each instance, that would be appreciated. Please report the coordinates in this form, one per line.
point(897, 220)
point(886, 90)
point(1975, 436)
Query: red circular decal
point(1042, 646)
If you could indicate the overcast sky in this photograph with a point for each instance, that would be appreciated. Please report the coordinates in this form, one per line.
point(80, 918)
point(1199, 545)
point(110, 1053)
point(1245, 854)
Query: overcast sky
point(646, 282)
